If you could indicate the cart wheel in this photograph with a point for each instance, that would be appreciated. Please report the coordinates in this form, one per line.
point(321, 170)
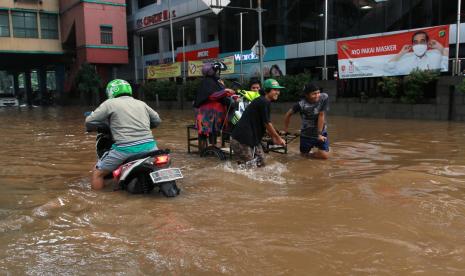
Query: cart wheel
point(213, 151)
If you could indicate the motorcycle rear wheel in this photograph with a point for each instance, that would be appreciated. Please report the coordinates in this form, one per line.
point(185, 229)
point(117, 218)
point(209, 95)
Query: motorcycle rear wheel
point(169, 189)
point(140, 184)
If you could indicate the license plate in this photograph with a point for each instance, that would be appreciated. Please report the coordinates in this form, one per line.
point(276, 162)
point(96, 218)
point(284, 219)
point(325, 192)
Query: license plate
point(166, 175)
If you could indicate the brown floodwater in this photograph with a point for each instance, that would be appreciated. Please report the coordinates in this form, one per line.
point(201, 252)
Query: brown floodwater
point(390, 201)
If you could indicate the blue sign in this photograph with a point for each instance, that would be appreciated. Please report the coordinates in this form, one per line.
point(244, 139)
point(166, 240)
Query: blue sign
point(272, 53)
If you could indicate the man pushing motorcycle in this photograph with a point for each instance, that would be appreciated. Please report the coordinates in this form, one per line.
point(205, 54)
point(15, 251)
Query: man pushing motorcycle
point(130, 122)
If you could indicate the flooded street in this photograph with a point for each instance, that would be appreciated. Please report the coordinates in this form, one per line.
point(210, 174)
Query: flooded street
point(389, 201)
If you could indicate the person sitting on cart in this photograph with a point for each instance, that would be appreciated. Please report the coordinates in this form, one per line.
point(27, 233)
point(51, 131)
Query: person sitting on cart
point(255, 85)
point(211, 103)
point(249, 131)
point(312, 109)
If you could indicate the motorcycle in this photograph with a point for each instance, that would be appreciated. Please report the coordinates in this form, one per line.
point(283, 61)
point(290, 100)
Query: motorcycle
point(140, 173)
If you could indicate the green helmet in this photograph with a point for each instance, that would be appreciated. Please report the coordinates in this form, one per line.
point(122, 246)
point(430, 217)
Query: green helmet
point(117, 88)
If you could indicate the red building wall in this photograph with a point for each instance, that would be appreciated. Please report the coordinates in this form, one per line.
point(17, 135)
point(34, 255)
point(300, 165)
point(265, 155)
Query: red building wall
point(80, 27)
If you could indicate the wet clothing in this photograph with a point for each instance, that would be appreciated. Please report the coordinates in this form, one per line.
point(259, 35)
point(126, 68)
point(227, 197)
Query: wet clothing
point(129, 119)
point(208, 86)
point(113, 158)
point(136, 147)
point(309, 113)
point(307, 143)
point(211, 109)
point(251, 127)
point(211, 116)
point(130, 122)
point(246, 153)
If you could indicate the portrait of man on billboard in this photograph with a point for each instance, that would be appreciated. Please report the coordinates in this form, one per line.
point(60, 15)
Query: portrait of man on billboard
point(423, 53)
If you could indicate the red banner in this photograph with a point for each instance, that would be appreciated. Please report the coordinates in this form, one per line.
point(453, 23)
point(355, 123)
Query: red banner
point(208, 53)
point(395, 54)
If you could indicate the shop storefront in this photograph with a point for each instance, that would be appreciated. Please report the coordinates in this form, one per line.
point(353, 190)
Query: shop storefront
point(274, 63)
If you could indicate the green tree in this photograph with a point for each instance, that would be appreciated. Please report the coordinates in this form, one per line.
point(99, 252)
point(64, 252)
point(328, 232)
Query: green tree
point(390, 86)
point(88, 84)
point(416, 83)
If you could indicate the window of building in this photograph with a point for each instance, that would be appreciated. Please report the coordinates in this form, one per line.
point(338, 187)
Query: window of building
point(143, 3)
point(106, 34)
point(49, 26)
point(4, 23)
point(24, 24)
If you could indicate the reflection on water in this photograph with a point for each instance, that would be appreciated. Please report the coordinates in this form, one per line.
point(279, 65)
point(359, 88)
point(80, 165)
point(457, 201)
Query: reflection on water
point(389, 201)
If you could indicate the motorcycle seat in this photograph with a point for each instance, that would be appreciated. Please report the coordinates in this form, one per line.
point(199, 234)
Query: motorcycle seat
point(146, 154)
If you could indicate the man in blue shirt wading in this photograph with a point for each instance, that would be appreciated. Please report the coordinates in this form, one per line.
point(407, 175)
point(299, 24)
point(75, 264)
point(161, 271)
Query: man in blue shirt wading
point(312, 109)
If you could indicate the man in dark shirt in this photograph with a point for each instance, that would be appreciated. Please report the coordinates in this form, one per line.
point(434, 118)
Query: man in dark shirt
point(249, 131)
point(312, 109)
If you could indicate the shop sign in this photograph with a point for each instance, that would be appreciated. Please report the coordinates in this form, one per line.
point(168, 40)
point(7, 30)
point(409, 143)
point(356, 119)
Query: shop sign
point(154, 18)
point(245, 57)
point(272, 53)
point(164, 71)
point(208, 53)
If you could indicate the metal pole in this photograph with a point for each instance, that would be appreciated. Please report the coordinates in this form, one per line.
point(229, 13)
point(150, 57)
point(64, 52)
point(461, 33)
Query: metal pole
point(136, 64)
point(183, 56)
point(325, 68)
point(143, 58)
point(260, 38)
point(242, 76)
point(457, 42)
point(171, 31)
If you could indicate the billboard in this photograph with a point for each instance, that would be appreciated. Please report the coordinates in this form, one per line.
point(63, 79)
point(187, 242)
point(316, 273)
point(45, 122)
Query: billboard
point(195, 67)
point(273, 69)
point(395, 54)
point(164, 71)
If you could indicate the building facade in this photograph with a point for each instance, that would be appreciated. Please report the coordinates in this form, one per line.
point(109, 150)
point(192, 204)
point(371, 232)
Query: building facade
point(31, 54)
point(296, 28)
point(44, 43)
point(149, 32)
point(94, 32)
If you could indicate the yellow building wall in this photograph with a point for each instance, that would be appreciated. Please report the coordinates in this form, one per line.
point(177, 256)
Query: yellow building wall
point(31, 45)
point(16, 45)
point(46, 5)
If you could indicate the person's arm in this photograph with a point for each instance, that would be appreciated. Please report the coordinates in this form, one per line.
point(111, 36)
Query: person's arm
point(221, 94)
point(100, 114)
point(321, 125)
point(287, 119)
point(434, 44)
point(277, 140)
point(405, 49)
point(154, 117)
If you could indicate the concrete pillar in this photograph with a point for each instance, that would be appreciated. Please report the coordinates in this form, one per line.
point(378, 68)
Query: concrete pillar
point(42, 77)
point(163, 41)
point(16, 86)
point(134, 6)
point(28, 87)
point(136, 56)
point(60, 82)
point(201, 30)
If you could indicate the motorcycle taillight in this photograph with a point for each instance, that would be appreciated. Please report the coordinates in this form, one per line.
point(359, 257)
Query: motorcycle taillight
point(117, 172)
point(161, 160)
